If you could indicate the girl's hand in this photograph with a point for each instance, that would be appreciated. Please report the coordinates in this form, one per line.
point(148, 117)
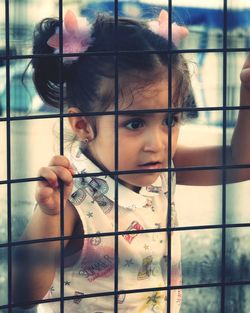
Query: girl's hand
point(48, 190)
point(245, 83)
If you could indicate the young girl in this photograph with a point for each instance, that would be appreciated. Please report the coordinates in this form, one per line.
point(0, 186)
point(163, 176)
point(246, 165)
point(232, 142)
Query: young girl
point(91, 214)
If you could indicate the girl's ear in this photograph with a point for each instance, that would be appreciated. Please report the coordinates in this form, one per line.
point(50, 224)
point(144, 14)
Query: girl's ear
point(80, 125)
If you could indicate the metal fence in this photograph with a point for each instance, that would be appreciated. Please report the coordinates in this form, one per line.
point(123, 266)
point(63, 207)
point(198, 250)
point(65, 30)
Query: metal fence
point(216, 255)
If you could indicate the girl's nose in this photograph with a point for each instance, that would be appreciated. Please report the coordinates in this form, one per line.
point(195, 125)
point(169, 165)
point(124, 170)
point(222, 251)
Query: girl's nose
point(155, 141)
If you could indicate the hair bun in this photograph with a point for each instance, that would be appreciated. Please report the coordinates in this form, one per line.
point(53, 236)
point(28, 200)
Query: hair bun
point(46, 74)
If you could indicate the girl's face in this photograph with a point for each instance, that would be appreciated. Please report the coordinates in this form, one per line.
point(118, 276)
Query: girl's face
point(142, 138)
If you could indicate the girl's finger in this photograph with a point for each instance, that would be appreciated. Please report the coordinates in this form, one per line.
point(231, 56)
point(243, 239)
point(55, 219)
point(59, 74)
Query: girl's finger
point(245, 76)
point(247, 62)
point(63, 174)
point(50, 177)
point(60, 160)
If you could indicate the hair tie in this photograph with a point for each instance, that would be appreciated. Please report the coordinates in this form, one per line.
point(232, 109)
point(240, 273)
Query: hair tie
point(76, 36)
point(160, 27)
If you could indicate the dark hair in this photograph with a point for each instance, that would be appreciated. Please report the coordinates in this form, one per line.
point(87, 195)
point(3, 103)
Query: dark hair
point(84, 79)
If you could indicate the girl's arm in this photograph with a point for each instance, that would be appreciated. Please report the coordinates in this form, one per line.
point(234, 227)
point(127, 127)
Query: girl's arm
point(35, 264)
point(237, 153)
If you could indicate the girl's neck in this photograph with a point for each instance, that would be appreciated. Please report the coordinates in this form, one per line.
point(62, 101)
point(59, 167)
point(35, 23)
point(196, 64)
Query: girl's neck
point(103, 168)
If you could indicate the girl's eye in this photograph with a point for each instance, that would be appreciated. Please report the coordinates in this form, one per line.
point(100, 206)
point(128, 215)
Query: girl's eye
point(172, 120)
point(134, 124)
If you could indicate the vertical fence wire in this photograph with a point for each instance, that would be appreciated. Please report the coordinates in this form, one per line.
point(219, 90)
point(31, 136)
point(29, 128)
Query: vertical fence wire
point(61, 129)
point(116, 236)
point(8, 149)
point(224, 159)
point(169, 152)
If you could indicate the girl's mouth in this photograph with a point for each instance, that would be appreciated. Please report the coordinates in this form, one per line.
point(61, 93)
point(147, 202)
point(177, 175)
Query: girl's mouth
point(151, 165)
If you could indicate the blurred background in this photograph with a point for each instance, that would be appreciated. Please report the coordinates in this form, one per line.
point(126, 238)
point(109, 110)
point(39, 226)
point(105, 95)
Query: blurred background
point(34, 141)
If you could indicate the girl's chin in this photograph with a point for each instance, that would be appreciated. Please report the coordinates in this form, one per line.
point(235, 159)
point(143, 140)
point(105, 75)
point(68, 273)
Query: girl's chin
point(139, 182)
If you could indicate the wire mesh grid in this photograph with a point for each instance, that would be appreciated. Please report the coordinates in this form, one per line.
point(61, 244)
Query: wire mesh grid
point(169, 229)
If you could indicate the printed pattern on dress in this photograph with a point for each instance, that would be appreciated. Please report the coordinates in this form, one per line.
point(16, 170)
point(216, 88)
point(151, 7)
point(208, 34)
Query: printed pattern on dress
point(142, 259)
point(96, 188)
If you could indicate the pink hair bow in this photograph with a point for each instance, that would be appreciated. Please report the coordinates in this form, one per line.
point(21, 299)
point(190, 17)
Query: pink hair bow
point(76, 36)
point(160, 27)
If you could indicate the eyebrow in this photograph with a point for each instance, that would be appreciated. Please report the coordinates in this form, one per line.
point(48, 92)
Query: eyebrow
point(140, 114)
point(144, 114)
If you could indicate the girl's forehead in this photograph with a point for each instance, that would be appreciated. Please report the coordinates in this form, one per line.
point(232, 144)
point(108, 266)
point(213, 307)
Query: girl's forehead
point(152, 96)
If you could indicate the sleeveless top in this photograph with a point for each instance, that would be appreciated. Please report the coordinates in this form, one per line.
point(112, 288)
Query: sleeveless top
point(142, 257)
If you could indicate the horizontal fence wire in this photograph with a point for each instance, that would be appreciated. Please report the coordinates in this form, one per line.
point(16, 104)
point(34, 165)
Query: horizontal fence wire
point(125, 112)
point(126, 52)
point(120, 172)
point(127, 232)
point(129, 291)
